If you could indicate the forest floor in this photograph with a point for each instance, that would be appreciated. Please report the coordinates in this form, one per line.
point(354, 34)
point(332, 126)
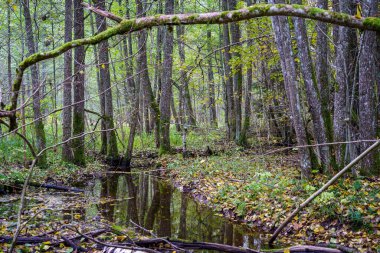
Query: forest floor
point(259, 190)
point(262, 190)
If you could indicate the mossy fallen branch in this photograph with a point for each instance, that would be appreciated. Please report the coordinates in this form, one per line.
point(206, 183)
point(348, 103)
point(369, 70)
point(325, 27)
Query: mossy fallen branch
point(128, 26)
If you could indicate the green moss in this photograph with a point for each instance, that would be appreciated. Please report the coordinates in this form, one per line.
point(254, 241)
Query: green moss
point(237, 14)
point(193, 17)
point(259, 8)
point(176, 20)
point(316, 11)
point(224, 14)
point(372, 22)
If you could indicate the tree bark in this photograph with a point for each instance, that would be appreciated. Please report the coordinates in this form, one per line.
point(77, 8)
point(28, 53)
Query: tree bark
point(309, 78)
point(38, 122)
point(230, 111)
point(237, 77)
point(211, 85)
point(143, 71)
point(367, 95)
point(166, 92)
point(184, 80)
point(67, 154)
point(105, 79)
point(283, 41)
point(79, 79)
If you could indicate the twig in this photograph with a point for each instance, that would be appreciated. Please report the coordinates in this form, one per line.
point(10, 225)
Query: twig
point(110, 245)
point(322, 189)
point(154, 235)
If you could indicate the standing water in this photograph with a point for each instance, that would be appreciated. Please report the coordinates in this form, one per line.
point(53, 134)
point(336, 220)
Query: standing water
point(157, 206)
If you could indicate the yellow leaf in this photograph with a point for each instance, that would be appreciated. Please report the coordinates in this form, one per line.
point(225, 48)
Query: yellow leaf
point(358, 11)
point(103, 66)
point(286, 250)
point(77, 216)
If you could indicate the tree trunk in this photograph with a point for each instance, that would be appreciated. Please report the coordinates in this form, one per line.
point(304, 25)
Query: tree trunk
point(9, 56)
point(105, 79)
point(345, 64)
point(79, 78)
point(283, 41)
point(211, 85)
point(322, 72)
point(367, 95)
point(142, 69)
point(184, 80)
point(67, 154)
point(230, 112)
point(309, 78)
point(166, 92)
point(237, 77)
point(38, 123)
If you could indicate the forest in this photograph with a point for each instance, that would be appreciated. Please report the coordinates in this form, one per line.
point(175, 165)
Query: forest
point(198, 125)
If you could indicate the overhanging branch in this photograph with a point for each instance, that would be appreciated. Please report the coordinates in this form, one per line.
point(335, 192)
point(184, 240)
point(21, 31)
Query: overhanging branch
point(128, 26)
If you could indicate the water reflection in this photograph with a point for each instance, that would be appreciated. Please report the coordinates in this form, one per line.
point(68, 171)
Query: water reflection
point(157, 206)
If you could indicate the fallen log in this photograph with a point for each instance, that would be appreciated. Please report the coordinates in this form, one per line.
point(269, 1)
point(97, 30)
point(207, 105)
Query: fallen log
point(25, 240)
point(75, 247)
point(54, 187)
point(195, 245)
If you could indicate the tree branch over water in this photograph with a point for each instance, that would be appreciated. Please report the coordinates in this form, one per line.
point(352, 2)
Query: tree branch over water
point(128, 26)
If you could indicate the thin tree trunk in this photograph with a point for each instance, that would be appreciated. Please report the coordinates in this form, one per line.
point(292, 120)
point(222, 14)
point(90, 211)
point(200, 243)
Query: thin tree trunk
point(144, 75)
point(67, 154)
point(309, 78)
point(105, 79)
point(283, 41)
point(230, 111)
point(79, 79)
point(38, 123)
point(211, 85)
point(345, 62)
point(237, 77)
point(323, 82)
point(166, 92)
point(175, 115)
point(9, 56)
point(184, 80)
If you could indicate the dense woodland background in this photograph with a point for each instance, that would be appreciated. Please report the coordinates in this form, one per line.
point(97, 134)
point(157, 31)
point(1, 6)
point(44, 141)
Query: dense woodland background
point(284, 79)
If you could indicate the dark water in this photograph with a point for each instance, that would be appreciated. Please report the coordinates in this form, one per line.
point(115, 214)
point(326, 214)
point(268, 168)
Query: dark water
point(159, 207)
point(151, 202)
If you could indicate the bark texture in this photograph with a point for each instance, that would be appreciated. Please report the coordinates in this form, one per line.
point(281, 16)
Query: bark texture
point(79, 79)
point(309, 78)
point(67, 154)
point(166, 92)
point(38, 122)
point(367, 95)
point(283, 42)
point(105, 80)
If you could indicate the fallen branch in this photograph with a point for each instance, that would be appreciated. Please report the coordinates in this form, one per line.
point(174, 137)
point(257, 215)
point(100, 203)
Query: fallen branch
point(75, 247)
point(51, 186)
point(322, 189)
point(195, 245)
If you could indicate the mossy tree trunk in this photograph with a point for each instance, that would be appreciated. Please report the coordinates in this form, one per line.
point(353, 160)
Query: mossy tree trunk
point(38, 122)
point(79, 79)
